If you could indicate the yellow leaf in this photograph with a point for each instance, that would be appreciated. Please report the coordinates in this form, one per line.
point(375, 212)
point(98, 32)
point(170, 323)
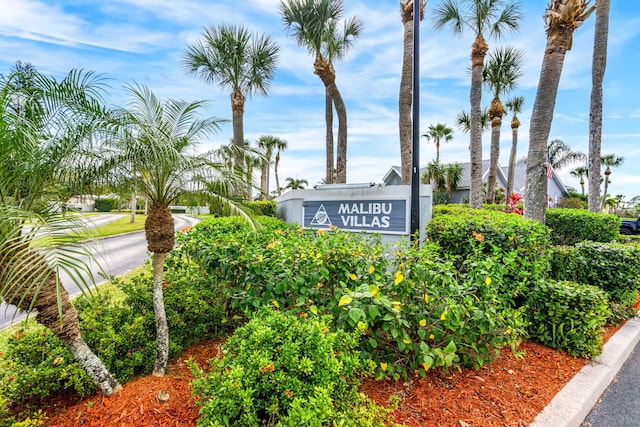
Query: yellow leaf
point(425, 366)
point(443, 315)
point(487, 281)
point(383, 366)
point(346, 299)
point(372, 269)
point(426, 298)
point(422, 323)
point(431, 336)
point(313, 309)
point(374, 290)
point(399, 277)
point(406, 341)
point(353, 276)
point(275, 304)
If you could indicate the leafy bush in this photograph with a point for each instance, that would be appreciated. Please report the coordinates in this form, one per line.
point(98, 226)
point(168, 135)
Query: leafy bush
point(35, 364)
point(568, 316)
point(520, 244)
point(263, 207)
point(570, 226)
point(613, 267)
point(106, 205)
point(282, 369)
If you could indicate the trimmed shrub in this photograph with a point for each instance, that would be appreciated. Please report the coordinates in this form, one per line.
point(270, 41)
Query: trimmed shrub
point(263, 207)
point(106, 205)
point(567, 316)
point(283, 369)
point(520, 245)
point(570, 226)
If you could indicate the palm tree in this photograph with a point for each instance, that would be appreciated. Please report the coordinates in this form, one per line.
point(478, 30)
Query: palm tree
point(562, 18)
point(437, 133)
point(405, 98)
point(599, 63)
point(580, 172)
point(315, 26)
point(434, 175)
point(502, 71)
point(267, 143)
point(235, 59)
point(561, 155)
point(155, 140)
point(47, 129)
point(491, 17)
point(463, 120)
point(610, 161)
point(452, 177)
point(514, 105)
point(295, 183)
point(280, 145)
point(253, 158)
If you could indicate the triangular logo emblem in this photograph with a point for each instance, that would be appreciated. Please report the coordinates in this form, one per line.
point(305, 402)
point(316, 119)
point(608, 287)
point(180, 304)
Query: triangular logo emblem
point(321, 218)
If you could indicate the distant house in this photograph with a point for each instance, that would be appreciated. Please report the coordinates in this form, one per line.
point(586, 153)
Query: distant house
point(556, 189)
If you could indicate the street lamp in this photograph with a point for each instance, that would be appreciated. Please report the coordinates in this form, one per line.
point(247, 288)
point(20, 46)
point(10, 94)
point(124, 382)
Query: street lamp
point(415, 158)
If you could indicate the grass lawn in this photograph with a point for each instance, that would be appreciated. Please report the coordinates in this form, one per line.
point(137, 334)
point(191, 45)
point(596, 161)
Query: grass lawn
point(119, 226)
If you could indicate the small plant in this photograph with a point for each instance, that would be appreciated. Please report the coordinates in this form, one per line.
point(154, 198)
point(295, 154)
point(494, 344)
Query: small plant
point(284, 369)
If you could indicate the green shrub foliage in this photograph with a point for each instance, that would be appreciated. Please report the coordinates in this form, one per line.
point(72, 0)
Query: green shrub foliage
point(263, 208)
point(106, 205)
point(521, 245)
point(570, 226)
point(568, 316)
point(285, 370)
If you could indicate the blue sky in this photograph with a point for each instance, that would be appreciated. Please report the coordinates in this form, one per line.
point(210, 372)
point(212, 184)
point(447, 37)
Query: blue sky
point(143, 41)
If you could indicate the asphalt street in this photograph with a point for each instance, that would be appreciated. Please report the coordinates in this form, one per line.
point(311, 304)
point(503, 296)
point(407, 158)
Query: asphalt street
point(115, 255)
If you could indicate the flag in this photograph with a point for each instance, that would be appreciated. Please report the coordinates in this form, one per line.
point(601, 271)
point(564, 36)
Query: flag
point(549, 167)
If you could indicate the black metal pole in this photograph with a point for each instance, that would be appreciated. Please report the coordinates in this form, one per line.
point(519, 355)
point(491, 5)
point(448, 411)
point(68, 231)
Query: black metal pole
point(415, 158)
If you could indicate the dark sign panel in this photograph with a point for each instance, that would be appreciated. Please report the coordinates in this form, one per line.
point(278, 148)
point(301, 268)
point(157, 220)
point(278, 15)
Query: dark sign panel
point(374, 216)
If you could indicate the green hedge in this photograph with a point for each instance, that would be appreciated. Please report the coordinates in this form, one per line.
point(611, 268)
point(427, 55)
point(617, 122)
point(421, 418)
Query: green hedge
point(106, 205)
point(520, 245)
point(570, 226)
point(567, 316)
point(263, 207)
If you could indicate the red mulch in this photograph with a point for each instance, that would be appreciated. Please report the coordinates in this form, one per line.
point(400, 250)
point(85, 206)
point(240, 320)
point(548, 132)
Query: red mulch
point(509, 392)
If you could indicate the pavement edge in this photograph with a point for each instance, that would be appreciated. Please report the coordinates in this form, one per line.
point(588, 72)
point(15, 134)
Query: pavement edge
point(575, 400)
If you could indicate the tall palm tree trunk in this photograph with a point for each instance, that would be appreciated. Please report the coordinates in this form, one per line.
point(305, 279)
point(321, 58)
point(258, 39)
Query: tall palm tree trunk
point(341, 154)
point(264, 184)
point(535, 198)
point(496, 112)
point(478, 53)
point(405, 97)
point(237, 118)
point(599, 64)
point(278, 189)
point(515, 124)
point(67, 327)
point(328, 117)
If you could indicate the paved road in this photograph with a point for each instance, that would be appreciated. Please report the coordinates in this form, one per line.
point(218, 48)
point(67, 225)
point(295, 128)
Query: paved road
point(115, 255)
point(619, 405)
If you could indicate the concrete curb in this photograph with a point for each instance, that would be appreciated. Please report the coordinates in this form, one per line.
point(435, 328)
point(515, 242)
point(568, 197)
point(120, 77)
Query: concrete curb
point(575, 400)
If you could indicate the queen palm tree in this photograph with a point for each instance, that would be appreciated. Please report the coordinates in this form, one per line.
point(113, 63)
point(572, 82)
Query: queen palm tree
point(452, 177)
point(610, 161)
point(599, 63)
point(47, 130)
point(481, 17)
point(580, 172)
point(515, 106)
point(405, 98)
point(315, 26)
point(156, 139)
point(562, 18)
point(235, 59)
point(434, 175)
point(295, 183)
point(561, 155)
point(501, 73)
point(438, 133)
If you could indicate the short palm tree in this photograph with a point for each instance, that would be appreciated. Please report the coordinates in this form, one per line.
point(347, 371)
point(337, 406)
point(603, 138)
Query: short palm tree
point(318, 26)
point(235, 59)
point(452, 177)
point(599, 63)
point(481, 17)
point(562, 18)
point(47, 130)
point(438, 133)
point(295, 183)
point(501, 73)
point(405, 98)
point(580, 172)
point(267, 143)
point(610, 161)
point(155, 143)
point(434, 175)
point(515, 106)
point(463, 120)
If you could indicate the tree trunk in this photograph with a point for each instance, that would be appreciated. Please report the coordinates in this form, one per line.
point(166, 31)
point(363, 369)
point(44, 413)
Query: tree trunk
point(405, 98)
point(515, 123)
point(132, 215)
point(67, 327)
point(328, 117)
point(478, 53)
point(264, 185)
point(237, 110)
point(599, 64)
point(535, 196)
point(495, 112)
point(278, 189)
point(341, 156)
point(162, 329)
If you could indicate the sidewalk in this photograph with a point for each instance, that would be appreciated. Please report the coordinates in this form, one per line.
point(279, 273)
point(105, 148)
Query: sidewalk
point(573, 404)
